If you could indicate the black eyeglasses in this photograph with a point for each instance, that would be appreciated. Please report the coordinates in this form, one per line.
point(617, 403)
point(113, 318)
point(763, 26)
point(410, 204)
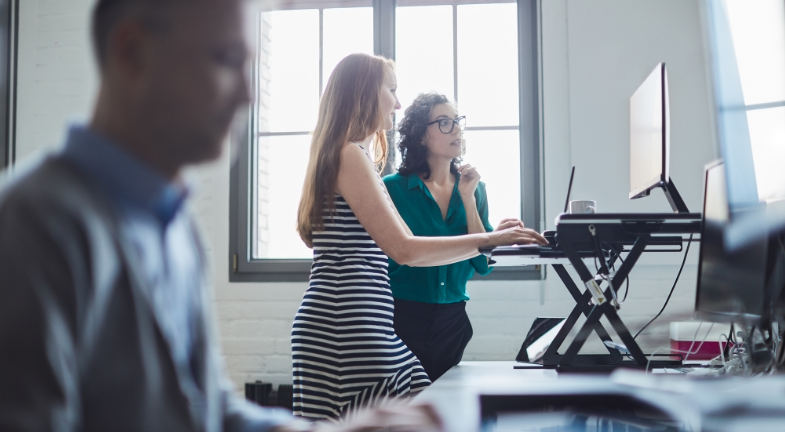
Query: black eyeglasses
point(446, 125)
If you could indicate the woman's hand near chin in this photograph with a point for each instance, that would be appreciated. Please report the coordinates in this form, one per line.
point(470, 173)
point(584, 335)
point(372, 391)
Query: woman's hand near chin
point(468, 181)
point(515, 236)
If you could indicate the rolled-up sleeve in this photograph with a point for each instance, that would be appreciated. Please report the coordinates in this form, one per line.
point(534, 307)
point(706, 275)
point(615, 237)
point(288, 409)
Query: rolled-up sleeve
point(480, 262)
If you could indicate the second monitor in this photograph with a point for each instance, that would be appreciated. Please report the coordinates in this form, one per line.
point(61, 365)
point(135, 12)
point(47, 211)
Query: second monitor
point(731, 285)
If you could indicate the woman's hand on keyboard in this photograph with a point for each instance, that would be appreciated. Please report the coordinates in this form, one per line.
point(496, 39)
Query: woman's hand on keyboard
point(516, 236)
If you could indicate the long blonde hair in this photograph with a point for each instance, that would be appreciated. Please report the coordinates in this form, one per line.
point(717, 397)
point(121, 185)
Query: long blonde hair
point(348, 112)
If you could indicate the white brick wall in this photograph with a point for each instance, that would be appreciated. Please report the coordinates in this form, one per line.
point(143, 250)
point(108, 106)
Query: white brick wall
point(56, 74)
point(58, 83)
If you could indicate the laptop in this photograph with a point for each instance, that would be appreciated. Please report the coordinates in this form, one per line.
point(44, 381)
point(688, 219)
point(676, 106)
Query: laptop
point(540, 336)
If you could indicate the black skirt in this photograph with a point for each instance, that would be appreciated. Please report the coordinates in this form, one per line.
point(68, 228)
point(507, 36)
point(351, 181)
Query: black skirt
point(436, 333)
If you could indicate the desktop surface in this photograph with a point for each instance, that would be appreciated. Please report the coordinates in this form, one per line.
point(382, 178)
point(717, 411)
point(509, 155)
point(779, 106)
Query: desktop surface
point(465, 394)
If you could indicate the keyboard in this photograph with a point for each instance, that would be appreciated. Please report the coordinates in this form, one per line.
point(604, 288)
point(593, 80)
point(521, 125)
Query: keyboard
point(617, 229)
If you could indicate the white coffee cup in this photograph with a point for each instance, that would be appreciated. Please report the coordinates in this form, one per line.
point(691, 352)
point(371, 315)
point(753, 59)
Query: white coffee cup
point(583, 206)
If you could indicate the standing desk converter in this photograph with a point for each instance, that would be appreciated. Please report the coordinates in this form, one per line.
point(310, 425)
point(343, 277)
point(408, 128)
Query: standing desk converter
point(602, 237)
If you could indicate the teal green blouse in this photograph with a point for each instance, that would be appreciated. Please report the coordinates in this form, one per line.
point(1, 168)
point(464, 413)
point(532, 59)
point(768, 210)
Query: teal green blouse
point(442, 284)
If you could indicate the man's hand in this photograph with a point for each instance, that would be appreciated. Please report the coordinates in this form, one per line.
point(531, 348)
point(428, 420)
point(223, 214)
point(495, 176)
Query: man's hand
point(402, 418)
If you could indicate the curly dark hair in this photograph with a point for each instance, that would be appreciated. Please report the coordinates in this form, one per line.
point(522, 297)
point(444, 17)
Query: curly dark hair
point(412, 130)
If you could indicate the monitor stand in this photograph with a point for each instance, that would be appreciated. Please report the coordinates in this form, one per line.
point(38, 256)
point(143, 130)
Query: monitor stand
point(571, 238)
point(674, 198)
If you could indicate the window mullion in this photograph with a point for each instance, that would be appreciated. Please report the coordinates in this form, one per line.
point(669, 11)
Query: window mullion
point(384, 28)
point(529, 117)
point(766, 105)
point(384, 45)
point(321, 51)
point(455, 53)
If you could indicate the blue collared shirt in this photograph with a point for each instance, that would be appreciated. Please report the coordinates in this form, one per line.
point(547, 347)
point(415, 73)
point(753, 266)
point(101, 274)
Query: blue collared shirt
point(149, 210)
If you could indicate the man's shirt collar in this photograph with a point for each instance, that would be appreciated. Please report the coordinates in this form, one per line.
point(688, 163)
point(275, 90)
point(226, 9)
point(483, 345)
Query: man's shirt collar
point(123, 177)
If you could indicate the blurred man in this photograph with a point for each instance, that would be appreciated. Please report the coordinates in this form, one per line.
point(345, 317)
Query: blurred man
point(104, 313)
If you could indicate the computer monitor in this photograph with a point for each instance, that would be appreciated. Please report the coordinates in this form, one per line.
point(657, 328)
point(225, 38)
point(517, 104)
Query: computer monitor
point(650, 139)
point(746, 42)
point(731, 285)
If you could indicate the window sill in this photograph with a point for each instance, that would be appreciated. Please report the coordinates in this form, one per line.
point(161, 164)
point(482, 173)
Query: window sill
point(299, 271)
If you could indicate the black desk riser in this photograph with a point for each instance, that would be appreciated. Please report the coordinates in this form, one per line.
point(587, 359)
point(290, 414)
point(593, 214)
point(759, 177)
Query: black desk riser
point(604, 236)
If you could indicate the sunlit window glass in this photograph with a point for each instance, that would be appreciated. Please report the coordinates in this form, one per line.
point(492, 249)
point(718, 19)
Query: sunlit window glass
point(759, 43)
point(281, 170)
point(424, 51)
point(289, 71)
point(488, 64)
point(475, 46)
point(757, 29)
point(767, 136)
point(299, 49)
point(346, 31)
point(496, 154)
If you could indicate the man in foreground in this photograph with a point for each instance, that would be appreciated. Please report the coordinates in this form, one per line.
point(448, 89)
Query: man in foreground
point(104, 313)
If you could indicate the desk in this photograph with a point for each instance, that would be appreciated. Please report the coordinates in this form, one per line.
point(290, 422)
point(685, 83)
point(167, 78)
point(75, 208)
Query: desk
point(727, 404)
point(456, 394)
point(602, 237)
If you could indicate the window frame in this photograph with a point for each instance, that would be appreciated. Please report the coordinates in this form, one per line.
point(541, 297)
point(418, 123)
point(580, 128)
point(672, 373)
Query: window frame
point(9, 15)
point(244, 268)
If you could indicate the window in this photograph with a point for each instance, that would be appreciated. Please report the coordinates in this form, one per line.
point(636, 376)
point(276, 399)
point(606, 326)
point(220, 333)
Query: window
point(481, 54)
point(469, 53)
point(758, 36)
point(298, 50)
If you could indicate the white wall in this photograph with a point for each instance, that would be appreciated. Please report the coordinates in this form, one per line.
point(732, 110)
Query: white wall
point(57, 79)
point(595, 53)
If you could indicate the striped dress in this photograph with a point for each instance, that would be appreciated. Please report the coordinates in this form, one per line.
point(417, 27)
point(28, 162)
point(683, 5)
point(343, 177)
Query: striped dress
point(345, 353)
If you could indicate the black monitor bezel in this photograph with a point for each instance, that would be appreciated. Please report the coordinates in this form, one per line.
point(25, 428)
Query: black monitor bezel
point(716, 316)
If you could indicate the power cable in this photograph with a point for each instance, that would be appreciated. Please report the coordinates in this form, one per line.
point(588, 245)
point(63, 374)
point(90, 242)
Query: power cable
point(684, 260)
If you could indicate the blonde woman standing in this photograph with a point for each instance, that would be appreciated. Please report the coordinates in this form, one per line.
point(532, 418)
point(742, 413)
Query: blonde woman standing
point(346, 355)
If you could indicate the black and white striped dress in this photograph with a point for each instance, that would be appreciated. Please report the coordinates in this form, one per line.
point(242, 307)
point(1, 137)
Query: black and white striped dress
point(345, 353)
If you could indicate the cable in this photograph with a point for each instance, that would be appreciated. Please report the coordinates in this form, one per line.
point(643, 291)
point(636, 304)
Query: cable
point(688, 352)
point(613, 267)
point(627, 289)
point(702, 341)
point(648, 360)
point(722, 348)
point(780, 345)
point(726, 352)
point(684, 260)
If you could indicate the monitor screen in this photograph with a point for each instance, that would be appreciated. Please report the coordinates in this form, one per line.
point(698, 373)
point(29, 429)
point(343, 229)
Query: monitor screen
point(747, 51)
point(649, 134)
point(731, 285)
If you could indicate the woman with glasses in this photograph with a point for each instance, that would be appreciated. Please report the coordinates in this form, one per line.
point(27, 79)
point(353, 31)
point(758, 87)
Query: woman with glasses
point(345, 353)
point(436, 196)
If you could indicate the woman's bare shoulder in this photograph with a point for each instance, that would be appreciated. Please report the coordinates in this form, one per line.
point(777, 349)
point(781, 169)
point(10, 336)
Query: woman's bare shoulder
point(354, 154)
point(351, 148)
